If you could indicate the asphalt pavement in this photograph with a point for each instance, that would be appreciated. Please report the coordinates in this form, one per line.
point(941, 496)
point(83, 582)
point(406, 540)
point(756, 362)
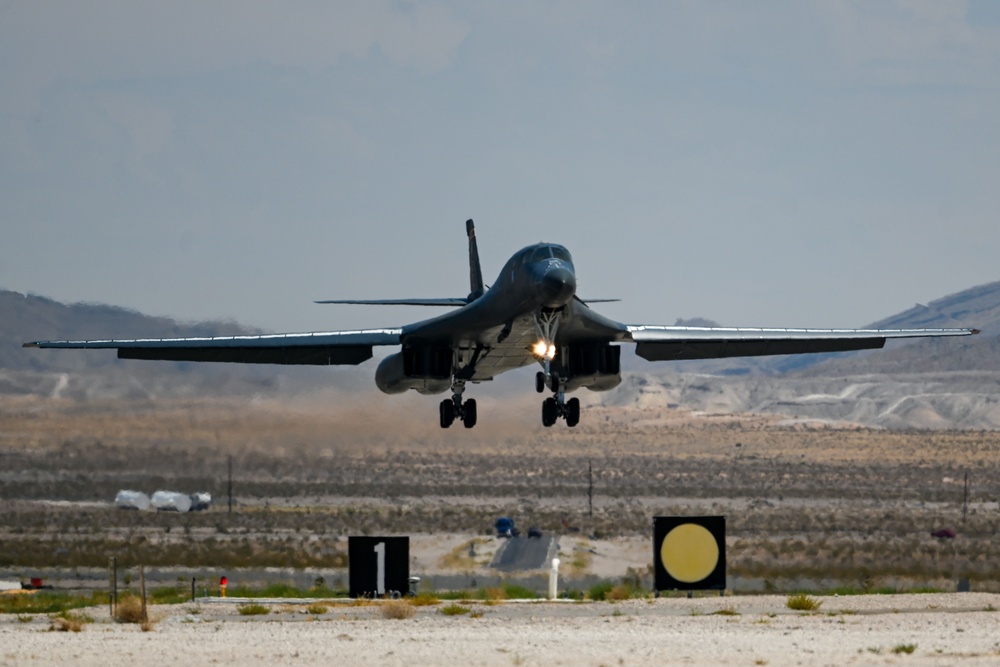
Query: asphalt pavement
point(524, 553)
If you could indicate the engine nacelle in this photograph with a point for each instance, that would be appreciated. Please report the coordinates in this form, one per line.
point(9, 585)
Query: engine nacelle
point(425, 369)
point(596, 366)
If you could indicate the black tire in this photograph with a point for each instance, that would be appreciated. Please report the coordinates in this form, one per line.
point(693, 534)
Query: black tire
point(572, 412)
point(539, 382)
point(470, 413)
point(447, 412)
point(554, 380)
point(549, 412)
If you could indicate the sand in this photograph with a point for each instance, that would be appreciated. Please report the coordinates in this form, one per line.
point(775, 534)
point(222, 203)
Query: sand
point(943, 629)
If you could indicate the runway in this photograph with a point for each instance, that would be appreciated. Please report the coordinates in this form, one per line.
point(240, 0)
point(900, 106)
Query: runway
point(524, 553)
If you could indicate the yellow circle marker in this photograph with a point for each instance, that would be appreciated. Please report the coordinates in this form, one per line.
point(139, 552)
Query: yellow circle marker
point(689, 553)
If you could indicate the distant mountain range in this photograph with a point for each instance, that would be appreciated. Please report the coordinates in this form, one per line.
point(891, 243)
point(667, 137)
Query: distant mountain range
point(100, 374)
point(954, 378)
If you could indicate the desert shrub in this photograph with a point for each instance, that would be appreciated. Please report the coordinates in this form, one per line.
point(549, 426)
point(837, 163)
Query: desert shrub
point(60, 624)
point(424, 600)
point(316, 609)
point(904, 648)
point(129, 610)
point(397, 610)
point(626, 590)
point(252, 609)
point(454, 610)
point(803, 602)
point(599, 591)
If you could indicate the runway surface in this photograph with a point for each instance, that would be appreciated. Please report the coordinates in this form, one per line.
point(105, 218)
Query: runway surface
point(524, 553)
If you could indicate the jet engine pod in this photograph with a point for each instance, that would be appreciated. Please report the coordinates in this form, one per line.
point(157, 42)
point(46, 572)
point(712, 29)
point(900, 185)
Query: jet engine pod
point(596, 366)
point(425, 369)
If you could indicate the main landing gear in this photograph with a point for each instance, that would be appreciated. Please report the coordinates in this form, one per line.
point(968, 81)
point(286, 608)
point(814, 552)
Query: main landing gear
point(455, 408)
point(556, 406)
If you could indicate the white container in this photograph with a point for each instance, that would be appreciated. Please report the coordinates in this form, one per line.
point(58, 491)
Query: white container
point(131, 500)
point(171, 501)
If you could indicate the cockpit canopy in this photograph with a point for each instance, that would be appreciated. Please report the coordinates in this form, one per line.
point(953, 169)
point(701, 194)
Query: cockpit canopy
point(546, 251)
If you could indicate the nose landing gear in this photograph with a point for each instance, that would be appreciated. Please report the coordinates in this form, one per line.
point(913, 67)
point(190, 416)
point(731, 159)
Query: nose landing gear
point(557, 406)
point(455, 408)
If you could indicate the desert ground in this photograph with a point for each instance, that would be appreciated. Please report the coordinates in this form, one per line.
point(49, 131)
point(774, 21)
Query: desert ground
point(930, 629)
point(820, 507)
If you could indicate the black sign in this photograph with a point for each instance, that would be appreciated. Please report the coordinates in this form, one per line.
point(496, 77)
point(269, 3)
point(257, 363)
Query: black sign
point(379, 566)
point(689, 553)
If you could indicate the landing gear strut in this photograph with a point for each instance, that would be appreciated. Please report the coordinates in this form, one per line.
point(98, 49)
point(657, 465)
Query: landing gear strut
point(455, 408)
point(557, 406)
point(547, 325)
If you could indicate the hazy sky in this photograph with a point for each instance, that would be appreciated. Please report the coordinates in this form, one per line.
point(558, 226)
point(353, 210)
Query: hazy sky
point(768, 163)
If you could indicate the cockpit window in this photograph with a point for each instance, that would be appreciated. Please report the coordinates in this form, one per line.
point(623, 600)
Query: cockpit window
point(544, 252)
point(540, 254)
point(560, 252)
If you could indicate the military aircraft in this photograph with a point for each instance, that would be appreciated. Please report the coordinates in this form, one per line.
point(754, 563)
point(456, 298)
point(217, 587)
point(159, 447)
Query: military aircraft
point(530, 315)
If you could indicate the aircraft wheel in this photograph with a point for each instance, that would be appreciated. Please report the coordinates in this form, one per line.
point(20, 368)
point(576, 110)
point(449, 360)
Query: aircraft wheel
point(555, 382)
point(539, 382)
point(549, 412)
point(572, 412)
point(470, 413)
point(447, 411)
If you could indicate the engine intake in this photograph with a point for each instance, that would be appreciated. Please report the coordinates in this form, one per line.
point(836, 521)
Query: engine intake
point(596, 366)
point(428, 370)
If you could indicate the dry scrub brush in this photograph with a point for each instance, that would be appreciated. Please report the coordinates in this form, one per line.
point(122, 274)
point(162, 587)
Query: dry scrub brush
point(397, 609)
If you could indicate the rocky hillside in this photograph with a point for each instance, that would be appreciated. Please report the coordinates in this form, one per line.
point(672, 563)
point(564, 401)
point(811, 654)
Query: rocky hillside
point(100, 374)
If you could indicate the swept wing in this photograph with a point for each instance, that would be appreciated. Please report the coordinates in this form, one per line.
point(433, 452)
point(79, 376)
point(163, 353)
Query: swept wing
point(323, 348)
point(671, 343)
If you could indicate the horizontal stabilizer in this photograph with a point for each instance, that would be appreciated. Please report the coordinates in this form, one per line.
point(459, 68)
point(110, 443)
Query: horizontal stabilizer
point(446, 301)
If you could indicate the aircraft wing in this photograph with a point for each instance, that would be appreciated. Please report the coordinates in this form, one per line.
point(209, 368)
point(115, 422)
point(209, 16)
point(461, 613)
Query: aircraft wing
point(671, 343)
point(322, 348)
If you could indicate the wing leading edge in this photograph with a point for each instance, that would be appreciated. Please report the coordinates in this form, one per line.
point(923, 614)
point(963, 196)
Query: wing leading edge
point(325, 348)
point(672, 343)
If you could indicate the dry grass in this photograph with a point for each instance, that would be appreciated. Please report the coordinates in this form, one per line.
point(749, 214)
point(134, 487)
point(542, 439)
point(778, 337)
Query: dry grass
point(454, 610)
point(424, 600)
point(68, 622)
point(803, 602)
point(60, 624)
point(397, 610)
point(253, 609)
point(852, 505)
point(129, 610)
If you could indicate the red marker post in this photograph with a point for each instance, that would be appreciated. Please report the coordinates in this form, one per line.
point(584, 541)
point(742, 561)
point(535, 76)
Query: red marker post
point(222, 586)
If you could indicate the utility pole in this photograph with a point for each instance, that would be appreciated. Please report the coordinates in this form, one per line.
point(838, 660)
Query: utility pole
point(590, 488)
point(965, 498)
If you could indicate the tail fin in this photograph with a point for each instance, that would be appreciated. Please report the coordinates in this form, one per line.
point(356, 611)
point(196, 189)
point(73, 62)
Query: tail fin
point(475, 271)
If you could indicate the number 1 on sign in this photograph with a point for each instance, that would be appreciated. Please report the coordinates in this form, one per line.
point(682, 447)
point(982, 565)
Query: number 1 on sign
point(380, 579)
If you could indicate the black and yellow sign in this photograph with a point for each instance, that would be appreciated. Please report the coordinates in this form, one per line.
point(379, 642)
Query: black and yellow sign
point(689, 553)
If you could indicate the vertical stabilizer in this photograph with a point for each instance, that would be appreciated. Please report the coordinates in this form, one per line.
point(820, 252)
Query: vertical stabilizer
point(475, 271)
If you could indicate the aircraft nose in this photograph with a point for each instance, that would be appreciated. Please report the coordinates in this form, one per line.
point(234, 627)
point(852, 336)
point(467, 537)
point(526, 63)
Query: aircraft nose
point(556, 287)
